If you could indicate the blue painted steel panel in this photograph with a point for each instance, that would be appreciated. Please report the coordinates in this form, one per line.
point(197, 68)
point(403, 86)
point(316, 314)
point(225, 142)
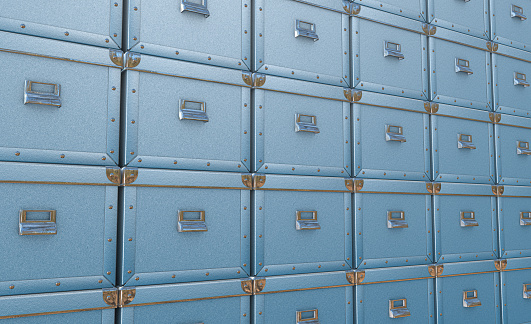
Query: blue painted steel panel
point(509, 25)
point(198, 302)
point(512, 163)
point(161, 127)
point(460, 71)
point(326, 297)
point(393, 224)
point(458, 278)
point(515, 282)
point(317, 50)
point(285, 143)
point(283, 244)
point(377, 154)
point(168, 248)
point(381, 286)
point(468, 17)
point(95, 22)
point(389, 54)
point(85, 128)
point(511, 68)
point(216, 33)
point(462, 145)
point(465, 223)
point(81, 204)
point(514, 207)
point(414, 9)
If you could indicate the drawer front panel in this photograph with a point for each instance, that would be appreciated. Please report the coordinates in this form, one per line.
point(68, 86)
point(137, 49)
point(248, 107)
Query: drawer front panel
point(511, 85)
point(282, 144)
point(414, 9)
point(380, 153)
point(509, 24)
point(166, 135)
point(513, 168)
point(469, 17)
point(515, 307)
point(513, 214)
point(316, 49)
point(204, 33)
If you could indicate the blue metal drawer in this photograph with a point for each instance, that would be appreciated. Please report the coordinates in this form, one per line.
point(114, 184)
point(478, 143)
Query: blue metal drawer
point(513, 135)
point(465, 222)
point(516, 291)
point(59, 223)
point(468, 293)
point(514, 217)
point(509, 25)
point(88, 306)
point(60, 101)
point(204, 234)
point(308, 298)
point(391, 143)
point(393, 223)
point(462, 145)
point(301, 128)
point(213, 32)
point(460, 71)
point(414, 9)
point(468, 17)
point(511, 84)
point(181, 115)
point(95, 22)
point(301, 224)
point(389, 54)
point(300, 41)
point(226, 301)
point(403, 294)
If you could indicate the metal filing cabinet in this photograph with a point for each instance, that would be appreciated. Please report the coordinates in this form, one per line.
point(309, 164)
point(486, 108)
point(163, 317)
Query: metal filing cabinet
point(465, 222)
point(509, 25)
point(511, 68)
point(309, 298)
point(226, 301)
point(95, 22)
point(391, 137)
point(405, 294)
point(60, 101)
point(389, 54)
point(462, 145)
point(87, 306)
point(301, 224)
point(468, 293)
point(468, 17)
point(180, 226)
point(181, 115)
point(513, 154)
point(59, 223)
point(414, 9)
point(301, 128)
point(514, 217)
point(460, 71)
point(208, 32)
point(393, 223)
point(516, 291)
point(301, 41)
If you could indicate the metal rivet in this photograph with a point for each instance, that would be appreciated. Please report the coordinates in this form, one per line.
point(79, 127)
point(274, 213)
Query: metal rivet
point(131, 207)
point(111, 151)
point(209, 58)
point(67, 33)
point(100, 281)
point(108, 272)
point(106, 40)
point(137, 278)
point(207, 273)
point(129, 271)
point(134, 38)
point(57, 283)
point(134, 90)
point(132, 153)
point(62, 156)
point(17, 153)
point(260, 236)
point(104, 158)
point(12, 287)
point(109, 240)
point(176, 52)
point(22, 26)
point(139, 160)
point(142, 46)
point(208, 163)
point(135, 9)
point(116, 4)
point(130, 239)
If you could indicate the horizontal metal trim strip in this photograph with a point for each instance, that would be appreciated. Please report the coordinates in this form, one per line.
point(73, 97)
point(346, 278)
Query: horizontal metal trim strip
point(186, 77)
point(302, 289)
point(58, 312)
point(184, 300)
point(302, 94)
point(58, 58)
point(449, 194)
point(391, 25)
point(62, 183)
point(464, 118)
point(310, 190)
point(502, 124)
point(466, 274)
point(387, 281)
point(513, 57)
point(507, 270)
point(394, 193)
point(322, 7)
point(509, 196)
point(190, 187)
point(391, 107)
point(464, 44)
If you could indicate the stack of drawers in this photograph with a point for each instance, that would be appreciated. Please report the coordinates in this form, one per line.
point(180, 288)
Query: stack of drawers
point(265, 161)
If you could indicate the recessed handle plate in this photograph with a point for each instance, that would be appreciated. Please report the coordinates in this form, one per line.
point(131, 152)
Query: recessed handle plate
point(525, 218)
point(520, 79)
point(470, 299)
point(37, 227)
point(195, 7)
point(191, 221)
point(464, 141)
point(33, 96)
point(527, 291)
point(396, 219)
point(193, 110)
point(468, 219)
point(306, 123)
point(462, 65)
point(308, 317)
point(306, 29)
point(393, 50)
point(398, 308)
point(394, 133)
point(307, 220)
point(517, 12)
point(522, 148)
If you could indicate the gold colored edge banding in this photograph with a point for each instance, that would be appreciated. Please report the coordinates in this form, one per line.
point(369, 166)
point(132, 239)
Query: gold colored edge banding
point(505, 270)
point(514, 125)
point(322, 7)
point(58, 58)
point(58, 312)
point(513, 57)
point(466, 274)
point(190, 187)
point(63, 183)
point(307, 95)
point(302, 289)
point(395, 26)
point(464, 118)
point(184, 300)
point(394, 193)
point(396, 108)
point(307, 190)
point(398, 280)
point(190, 78)
point(463, 44)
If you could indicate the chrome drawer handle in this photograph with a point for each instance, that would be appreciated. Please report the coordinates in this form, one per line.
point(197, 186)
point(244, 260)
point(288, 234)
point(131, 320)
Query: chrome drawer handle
point(393, 49)
point(398, 308)
point(193, 110)
point(462, 65)
point(518, 12)
point(306, 220)
point(199, 8)
point(189, 224)
point(522, 148)
point(470, 299)
point(308, 317)
point(42, 98)
point(396, 219)
point(464, 141)
point(394, 133)
point(306, 123)
point(520, 79)
point(305, 29)
point(527, 291)
point(37, 227)
point(468, 219)
point(525, 218)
